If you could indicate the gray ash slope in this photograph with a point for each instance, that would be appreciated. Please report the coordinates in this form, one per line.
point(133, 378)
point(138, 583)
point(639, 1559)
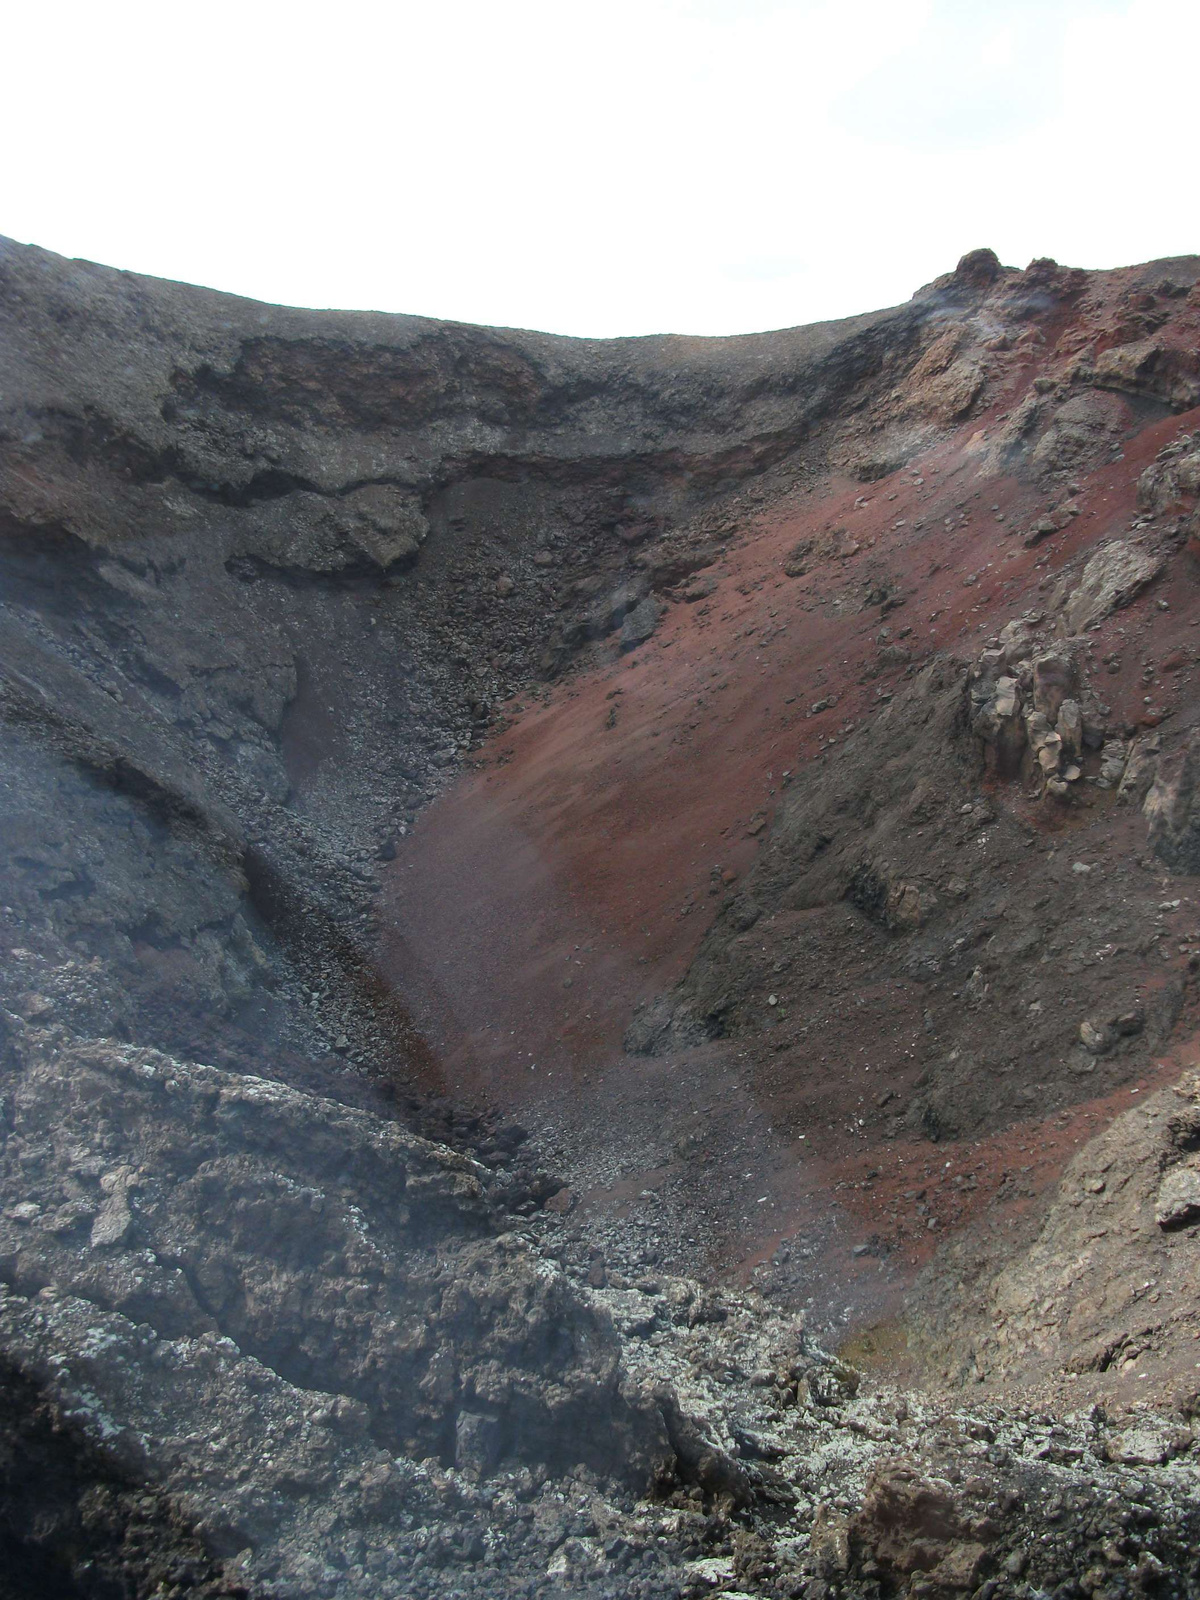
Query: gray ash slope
point(270, 1323)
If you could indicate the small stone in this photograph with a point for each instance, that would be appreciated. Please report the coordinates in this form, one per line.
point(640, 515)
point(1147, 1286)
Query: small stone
point(113, 1222)
point(712, 1572)
point(562, 1201)
point(1178, 1200)
point(961, 1567)
point(1138, 1447)
point(477, 1441)
point(640, 623)
point(1050, 753)
point(1095, 1037)
point(829, 1542)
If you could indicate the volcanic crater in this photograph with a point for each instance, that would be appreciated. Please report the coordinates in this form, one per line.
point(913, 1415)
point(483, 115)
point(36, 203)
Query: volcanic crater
point(598, 946)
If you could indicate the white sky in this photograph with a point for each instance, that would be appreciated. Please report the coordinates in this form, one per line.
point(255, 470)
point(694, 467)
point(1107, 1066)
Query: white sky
point(631, 166)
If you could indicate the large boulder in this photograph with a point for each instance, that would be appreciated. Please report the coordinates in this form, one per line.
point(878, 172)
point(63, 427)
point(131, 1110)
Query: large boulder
point(1150, 368)
point(1172, 807)
point(1081, 434)
point(1115, 575)
point(1173, 478)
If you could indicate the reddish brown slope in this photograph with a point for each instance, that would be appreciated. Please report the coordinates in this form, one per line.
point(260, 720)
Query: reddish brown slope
point(575, 871)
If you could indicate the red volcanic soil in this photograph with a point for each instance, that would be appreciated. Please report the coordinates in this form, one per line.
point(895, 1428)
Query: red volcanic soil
point(576, 868)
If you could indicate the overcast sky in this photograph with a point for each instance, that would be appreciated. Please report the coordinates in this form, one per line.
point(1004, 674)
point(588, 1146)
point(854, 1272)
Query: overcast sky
point(631, 166)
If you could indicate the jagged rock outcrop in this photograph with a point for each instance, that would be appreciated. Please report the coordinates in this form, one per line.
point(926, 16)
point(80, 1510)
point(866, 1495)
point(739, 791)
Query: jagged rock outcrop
point(1109, 1281)
point(328, 1289)
point(335, 1248)
point(882, 838)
